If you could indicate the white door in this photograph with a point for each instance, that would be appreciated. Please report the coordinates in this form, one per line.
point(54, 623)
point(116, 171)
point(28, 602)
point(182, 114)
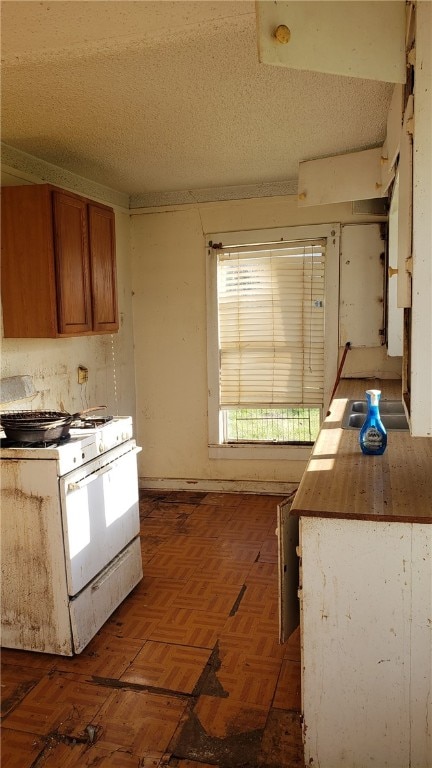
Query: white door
point(100, 513)
point(288, 562)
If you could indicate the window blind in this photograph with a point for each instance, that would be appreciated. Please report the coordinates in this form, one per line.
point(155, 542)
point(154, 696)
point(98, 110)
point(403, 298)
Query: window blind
point(271, 324)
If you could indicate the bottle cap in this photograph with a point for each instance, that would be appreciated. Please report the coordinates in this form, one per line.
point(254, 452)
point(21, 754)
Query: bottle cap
point(374, 395)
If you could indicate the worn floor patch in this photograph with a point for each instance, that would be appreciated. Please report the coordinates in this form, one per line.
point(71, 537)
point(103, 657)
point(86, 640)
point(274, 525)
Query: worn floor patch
point(235, 751)
point(208, 683)
point(282, 741)
point(16, 696)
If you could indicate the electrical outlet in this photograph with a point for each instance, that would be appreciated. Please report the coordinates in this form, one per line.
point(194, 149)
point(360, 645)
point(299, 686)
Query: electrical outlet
point(82, 374)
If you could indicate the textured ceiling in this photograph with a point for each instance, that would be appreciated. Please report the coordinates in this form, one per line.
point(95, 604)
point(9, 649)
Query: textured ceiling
point(150, 97)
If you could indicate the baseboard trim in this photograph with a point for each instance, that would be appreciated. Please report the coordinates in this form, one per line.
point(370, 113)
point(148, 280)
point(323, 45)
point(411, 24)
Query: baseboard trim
point(222, 486)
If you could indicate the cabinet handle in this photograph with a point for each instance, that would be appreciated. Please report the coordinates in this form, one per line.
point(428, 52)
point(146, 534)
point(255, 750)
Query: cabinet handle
point(89, 479)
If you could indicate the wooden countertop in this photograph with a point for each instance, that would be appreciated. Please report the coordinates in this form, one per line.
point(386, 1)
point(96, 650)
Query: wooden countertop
point(340, 481)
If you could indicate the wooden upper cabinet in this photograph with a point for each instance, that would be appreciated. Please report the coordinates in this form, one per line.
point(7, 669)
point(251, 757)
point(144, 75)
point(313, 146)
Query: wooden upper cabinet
point(72, 264)
point(103, 268)
point(58, 264)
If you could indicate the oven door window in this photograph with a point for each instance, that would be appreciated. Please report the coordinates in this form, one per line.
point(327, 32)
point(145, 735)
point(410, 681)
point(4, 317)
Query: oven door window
point(100, 515)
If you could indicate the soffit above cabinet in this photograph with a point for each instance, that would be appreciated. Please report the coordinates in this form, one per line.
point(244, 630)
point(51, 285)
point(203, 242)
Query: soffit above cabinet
point(362, 39)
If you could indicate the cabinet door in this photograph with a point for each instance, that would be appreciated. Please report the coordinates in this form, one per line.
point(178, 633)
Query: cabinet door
point(103, 268)
point(27, 268)
point(72, 264)
point(361, 285)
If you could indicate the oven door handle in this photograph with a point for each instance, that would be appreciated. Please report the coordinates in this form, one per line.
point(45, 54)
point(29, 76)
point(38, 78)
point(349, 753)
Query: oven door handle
point(89, 479)
point(94, 475)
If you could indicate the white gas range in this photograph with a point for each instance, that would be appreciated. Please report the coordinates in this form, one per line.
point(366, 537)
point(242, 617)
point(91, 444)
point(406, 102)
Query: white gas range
point(70, 548)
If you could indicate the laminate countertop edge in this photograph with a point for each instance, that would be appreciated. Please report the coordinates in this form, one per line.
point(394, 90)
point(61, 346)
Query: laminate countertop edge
point(341, 482)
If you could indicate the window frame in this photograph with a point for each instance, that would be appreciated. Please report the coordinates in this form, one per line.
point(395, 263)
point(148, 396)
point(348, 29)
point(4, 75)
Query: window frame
point(329, 232)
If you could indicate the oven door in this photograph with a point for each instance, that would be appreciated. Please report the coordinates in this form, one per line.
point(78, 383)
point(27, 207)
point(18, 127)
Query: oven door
point(99, 503)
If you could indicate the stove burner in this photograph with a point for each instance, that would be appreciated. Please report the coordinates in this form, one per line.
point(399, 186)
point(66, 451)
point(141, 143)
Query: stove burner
point(91, 422)
point(6, 443)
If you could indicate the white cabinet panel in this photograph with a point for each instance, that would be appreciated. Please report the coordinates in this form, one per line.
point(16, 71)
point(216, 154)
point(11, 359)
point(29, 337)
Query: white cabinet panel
point(357, 38)
point(341, 178)
point(361, 285)
point(421, 336)
point(394, 313)
point(366, 643)
point(405, 208)
point(392, 142)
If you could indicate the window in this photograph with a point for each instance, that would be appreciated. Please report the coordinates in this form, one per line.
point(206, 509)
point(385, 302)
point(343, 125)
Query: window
point(269, 335)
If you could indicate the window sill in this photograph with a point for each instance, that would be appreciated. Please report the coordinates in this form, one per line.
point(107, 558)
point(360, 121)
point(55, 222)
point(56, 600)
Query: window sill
point(261, 452)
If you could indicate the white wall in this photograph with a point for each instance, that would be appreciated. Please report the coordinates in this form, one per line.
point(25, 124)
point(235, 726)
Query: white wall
point(53, 363)
point(169, 309)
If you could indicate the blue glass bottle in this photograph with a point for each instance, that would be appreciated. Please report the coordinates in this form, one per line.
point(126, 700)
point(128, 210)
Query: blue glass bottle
point(373, 437)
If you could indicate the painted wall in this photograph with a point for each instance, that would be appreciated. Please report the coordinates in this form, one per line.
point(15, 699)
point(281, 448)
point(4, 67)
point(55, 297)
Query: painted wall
point(169, 310)
point(53, 363)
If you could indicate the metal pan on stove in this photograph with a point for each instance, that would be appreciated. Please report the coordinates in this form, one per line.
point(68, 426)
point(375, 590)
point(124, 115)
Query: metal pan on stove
point(40, 426)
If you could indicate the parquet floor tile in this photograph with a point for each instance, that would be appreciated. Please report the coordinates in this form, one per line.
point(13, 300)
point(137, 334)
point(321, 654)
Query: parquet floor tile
point(210, 529)
point(235, 530)
point(159, 528)
point(19, 750)
point(164, 665)
point(287, 694)
point(164, 511)
point(262, 503)
point(16, 682)
point(211, 513)
point(188, 672)
point(263, 573)
point(224, 571)
point(60, 702)
point(28, 659)
point(249, 679)
point(292, 647)
point(56, 754)
point(136, 624)
point(224, 499)
point(185, 549)
point(169, 567)
point(155, 591)
point(239, 551)
point(269, 550)
point(104, 656)
point(257, 594)
point(138, 721)
point(217, 597)
point(251, 635)
point(186, 626)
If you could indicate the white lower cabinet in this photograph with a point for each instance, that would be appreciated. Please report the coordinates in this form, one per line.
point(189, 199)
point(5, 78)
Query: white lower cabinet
point(366, 629)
